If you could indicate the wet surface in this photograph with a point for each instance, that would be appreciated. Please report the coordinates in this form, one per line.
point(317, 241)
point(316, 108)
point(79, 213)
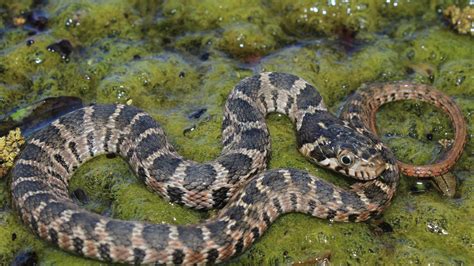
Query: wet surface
point(178, 61)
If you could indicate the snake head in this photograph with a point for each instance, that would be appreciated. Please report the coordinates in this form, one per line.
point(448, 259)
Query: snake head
point(333, 144)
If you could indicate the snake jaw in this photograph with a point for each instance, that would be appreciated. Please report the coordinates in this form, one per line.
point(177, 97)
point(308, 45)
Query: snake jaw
point(371, 170)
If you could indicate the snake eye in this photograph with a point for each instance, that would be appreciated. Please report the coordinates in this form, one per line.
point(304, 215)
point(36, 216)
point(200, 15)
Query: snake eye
point(346, 159)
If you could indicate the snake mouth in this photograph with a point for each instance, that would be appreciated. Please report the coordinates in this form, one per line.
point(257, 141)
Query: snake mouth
point(370, 171)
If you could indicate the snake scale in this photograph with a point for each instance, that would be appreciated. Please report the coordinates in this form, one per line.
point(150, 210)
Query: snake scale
point(249, 198)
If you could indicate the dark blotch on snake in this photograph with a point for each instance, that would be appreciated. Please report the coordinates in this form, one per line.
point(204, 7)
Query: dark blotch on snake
point(25, 186)
point(244, 112)
point(266, 219)
point(239, 246)
point(283, 81)
point(73, 148)
point(217, 232)
point(277, 205)
point(312, 206)
point(34, 224)
point(331, 214)
point(122, 232)
point(373, 192)
point(212, 255)
point(144, 123)
point(274, 180)
point(175, 194)
point(353, 217)
point(49, 134)
point(199, 176)
point(141, 174)
point(86, 223)
point(293, 200)
point(301, 180)
point(25, 170)
point(58, 158)
point(308, 97)
point(153, 235)
point(252, 194)
point(108, 135)
point(164, 166)
point(72, 122)
point(102, 113)
point(220, 197)
point(104, 252)
point(34, 201)
point(78, 245)
point(255, 233)
point(150, 144)
point(249, 86)
point(178, 256)
point(255, 138)
point(125, 117)
point(235, 213)
point(324, 191)
point(53, 236)
point(192, 236)
point(235, 163)
point(35, 153)
point(138, 255)
point(90, 143)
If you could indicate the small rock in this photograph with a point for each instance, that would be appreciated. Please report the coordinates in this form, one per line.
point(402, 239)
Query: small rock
point(80, 195)
point(25, 258)
point(197, 114)
point(63, 48)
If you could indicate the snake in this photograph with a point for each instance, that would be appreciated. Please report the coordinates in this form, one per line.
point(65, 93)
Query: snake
point(249, 197)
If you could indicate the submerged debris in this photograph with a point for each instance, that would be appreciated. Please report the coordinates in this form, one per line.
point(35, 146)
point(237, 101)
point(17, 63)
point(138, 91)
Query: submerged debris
point(446, 184)
point(37, 115)
point(461, 20)
point(63, 48)
point(9, 149)
point(27, 257)
point(436, 227)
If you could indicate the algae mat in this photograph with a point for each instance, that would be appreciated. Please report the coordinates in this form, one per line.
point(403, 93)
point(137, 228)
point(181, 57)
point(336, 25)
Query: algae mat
point(178, 60)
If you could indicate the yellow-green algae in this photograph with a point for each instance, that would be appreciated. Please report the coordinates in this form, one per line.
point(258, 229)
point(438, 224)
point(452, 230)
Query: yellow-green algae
point(9, 148)
point(461, 20)
point(174, 57)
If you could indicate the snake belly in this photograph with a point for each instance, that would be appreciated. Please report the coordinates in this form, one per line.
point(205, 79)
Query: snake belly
point(250, 198)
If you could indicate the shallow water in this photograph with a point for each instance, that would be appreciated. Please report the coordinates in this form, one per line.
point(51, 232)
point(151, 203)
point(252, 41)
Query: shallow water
point(176, 59)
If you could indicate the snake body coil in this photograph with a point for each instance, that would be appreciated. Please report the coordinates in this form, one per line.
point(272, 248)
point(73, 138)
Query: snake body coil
point(251, 199)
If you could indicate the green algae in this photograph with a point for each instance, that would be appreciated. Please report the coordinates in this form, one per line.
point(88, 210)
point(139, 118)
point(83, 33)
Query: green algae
point(175, 57)
point(404, 127)
point(86, 22)
point(158, 81)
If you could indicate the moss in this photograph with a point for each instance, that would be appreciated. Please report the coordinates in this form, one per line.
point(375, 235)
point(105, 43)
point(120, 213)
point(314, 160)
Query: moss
point(436, 45)
point(413, 131)
point(85, 22)
point(39, 73)
point(197, 15)
point(329, 17)
point(247, 28)
point(246, 40)
point(456, 77)
point(163, 80)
